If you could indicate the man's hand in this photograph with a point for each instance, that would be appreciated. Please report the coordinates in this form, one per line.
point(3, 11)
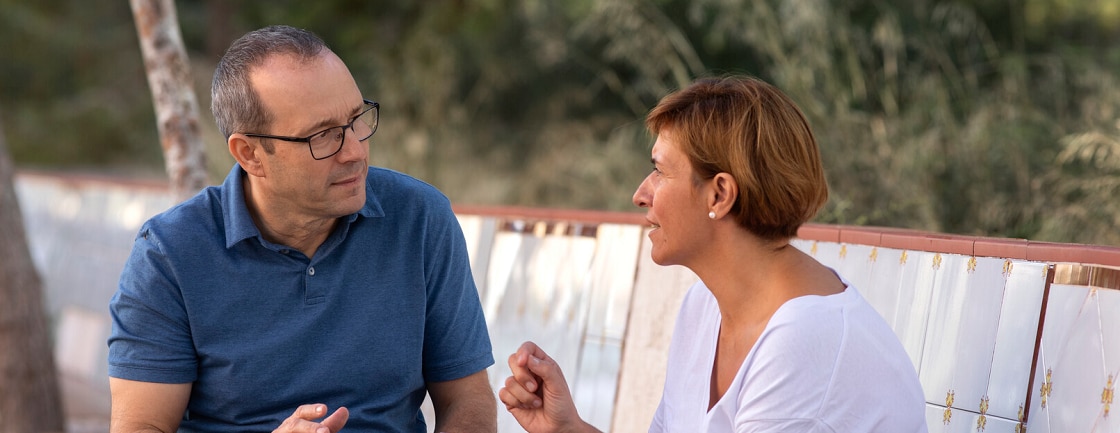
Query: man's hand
point(303, 420)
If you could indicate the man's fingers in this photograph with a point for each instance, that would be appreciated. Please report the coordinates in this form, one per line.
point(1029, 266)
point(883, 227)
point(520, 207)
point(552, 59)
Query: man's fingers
point(310, 411)
point(303, 420)
point(337, 419)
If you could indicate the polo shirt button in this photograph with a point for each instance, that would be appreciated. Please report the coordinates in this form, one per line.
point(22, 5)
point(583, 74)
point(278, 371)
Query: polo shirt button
point(311, 271)
point(284, 251)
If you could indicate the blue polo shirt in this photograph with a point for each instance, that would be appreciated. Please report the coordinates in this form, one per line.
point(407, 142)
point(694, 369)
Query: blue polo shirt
point(387, 304)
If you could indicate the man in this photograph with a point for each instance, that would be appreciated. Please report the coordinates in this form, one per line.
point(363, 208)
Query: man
point(309, 291)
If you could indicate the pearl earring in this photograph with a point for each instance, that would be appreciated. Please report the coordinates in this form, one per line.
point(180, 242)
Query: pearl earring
point(712, 215)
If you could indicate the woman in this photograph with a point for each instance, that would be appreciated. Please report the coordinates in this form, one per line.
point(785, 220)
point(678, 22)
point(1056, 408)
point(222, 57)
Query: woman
point(768, 339)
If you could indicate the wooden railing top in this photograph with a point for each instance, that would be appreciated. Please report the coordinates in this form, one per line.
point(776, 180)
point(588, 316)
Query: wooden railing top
point(886, 237)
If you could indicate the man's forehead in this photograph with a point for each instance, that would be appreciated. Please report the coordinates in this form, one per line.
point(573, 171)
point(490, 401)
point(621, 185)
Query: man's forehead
point(319, 89)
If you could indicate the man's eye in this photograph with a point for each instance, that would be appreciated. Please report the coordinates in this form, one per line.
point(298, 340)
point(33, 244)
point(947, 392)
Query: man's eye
point(324, 134)
point(331, 135)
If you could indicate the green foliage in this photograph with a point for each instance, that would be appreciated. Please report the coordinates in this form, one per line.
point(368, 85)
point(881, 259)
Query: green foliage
point(73, 85)
point(985, 117)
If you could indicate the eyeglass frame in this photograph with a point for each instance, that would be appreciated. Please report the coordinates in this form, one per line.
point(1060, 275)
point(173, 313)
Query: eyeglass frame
point(370, 105)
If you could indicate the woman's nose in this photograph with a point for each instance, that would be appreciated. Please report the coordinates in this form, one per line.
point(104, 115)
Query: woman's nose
point(641, 195)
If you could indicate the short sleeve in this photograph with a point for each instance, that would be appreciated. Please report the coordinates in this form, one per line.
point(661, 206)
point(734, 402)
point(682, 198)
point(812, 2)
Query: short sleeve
point(456, 340)
point(150, 339)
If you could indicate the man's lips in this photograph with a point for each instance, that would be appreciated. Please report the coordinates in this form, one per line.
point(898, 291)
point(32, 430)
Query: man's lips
point(347, 181)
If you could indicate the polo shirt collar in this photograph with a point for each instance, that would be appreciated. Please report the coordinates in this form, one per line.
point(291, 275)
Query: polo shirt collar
point(239, 224)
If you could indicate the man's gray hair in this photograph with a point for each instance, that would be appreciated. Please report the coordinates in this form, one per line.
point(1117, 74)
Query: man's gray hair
point(236, 106)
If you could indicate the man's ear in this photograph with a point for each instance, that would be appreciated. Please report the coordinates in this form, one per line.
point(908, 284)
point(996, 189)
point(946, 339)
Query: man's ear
point(247, 152)
point(724, 193)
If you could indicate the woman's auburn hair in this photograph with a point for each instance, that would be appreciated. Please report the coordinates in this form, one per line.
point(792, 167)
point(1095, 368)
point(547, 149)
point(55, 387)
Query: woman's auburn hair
point(749, 129)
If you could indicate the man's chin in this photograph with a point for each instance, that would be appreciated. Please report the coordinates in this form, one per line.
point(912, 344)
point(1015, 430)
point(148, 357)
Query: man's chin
point(346, 201)
point(354, 203)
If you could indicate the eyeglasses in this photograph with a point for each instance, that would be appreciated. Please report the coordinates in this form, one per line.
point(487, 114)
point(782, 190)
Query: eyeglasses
point(324, 144)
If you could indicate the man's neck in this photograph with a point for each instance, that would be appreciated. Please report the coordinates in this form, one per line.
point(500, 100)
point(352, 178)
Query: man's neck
point(282, 227)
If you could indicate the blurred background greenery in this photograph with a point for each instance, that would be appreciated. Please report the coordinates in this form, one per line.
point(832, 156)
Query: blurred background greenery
point(981, 117)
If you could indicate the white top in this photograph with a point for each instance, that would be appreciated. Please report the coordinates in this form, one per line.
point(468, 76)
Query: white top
point(823, 364)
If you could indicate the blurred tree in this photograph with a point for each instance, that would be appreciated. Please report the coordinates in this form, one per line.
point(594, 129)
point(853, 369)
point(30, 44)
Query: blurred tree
point(173, 93)
point(943, 115)
point(926, 120)
point(73, 87)
point(31, 399)
point(1088, 184)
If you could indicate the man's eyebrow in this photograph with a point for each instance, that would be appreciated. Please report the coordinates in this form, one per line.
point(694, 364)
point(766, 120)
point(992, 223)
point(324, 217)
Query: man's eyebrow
point(331, 123)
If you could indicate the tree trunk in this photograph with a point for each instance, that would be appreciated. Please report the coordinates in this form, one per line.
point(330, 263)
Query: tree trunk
point(165, 60)
point(30, 399)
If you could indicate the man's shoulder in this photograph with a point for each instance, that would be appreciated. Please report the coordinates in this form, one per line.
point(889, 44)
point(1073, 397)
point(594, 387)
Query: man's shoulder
point(386, 177)
point(390, 185)
point(198, 215)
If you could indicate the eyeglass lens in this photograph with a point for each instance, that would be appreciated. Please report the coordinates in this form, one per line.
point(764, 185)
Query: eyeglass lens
point(330, 141)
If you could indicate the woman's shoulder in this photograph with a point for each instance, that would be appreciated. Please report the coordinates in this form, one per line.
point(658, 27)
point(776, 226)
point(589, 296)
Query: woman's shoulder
point(826, 323)
point(826, 311)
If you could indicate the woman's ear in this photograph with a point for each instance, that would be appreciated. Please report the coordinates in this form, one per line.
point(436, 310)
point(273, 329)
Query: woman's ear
point(725, 192)
point(246, 153)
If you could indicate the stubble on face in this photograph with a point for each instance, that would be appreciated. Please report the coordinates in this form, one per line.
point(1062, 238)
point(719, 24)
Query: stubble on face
point(305, 96)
